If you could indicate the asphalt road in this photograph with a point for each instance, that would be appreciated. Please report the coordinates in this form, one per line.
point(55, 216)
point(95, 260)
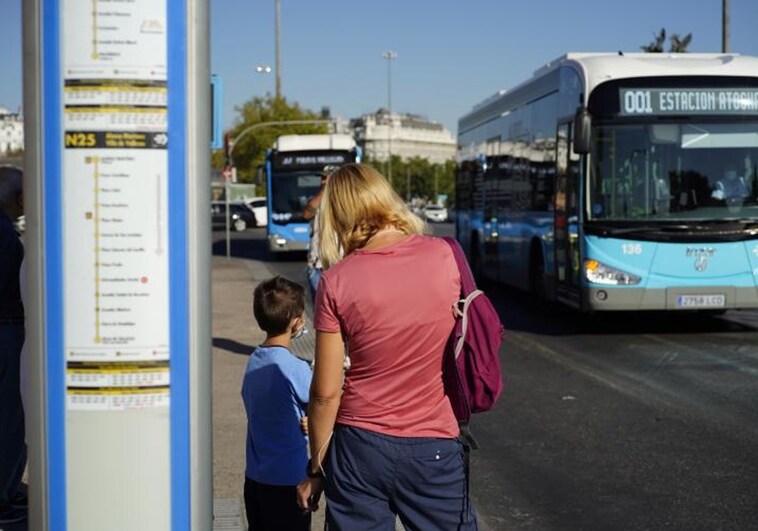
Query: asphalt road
point(624, 422)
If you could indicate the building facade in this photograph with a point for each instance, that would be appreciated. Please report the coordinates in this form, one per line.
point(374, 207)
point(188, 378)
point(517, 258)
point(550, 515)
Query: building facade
point(403, 135)
point(11, 131)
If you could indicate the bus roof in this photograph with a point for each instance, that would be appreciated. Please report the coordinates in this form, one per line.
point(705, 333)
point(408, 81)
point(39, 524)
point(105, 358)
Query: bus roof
point(600, 67)
point(314, 142)
point(597, 68)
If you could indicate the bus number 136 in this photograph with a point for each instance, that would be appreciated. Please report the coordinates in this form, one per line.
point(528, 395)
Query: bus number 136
point(631, 248)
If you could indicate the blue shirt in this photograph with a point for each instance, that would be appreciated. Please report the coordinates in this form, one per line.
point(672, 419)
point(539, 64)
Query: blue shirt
point(275, 392)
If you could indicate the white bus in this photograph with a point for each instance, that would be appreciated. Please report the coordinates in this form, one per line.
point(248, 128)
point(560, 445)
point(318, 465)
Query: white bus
point(293, 174)
point(618, 182)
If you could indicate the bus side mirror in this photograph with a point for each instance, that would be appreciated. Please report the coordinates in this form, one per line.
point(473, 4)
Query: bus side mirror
point(582, 127)
point(259, 176)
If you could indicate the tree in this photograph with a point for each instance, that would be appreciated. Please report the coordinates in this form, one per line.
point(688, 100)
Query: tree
point(680, 44)
point(422, 176)
point(657, 45)
point(250, 152)
point(677, 44)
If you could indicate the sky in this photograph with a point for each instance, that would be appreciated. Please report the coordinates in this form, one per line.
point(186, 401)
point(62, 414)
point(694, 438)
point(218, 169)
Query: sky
point(451, 54)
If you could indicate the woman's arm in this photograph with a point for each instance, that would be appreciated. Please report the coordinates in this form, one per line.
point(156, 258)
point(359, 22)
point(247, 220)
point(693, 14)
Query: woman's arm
point(326, 390)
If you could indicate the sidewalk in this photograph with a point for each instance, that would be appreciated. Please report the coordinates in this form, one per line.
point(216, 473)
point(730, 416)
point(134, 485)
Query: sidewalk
point(235, 335)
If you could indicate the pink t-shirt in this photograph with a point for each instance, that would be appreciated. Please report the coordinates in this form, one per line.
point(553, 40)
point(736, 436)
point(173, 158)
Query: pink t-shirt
point(394, 306)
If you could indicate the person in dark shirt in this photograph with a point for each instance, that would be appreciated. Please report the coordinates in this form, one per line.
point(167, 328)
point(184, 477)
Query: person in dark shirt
point(12, 446)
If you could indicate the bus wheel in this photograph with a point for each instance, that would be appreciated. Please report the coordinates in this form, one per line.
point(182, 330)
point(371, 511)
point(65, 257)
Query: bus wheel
point(537, 272)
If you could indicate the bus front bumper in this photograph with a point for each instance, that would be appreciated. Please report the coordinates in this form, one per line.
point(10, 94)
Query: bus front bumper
point(602, 298)
point(277, 244)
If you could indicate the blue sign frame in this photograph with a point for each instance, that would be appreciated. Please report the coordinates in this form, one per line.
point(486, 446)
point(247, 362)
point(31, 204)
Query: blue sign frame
point(55, 360)
point(217, 89)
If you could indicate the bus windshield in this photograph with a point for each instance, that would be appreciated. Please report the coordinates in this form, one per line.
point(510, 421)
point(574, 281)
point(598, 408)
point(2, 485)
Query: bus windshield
point(289, 193)
point(673, 171)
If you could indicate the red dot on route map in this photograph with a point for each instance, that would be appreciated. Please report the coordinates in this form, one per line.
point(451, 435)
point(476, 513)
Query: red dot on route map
point(143, 280)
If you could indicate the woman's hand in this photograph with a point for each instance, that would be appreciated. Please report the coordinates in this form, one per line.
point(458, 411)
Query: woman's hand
point(309, 493)
point(304, 425)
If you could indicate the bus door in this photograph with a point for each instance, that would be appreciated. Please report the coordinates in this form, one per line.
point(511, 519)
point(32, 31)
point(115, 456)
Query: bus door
point(566, 238)
point(490, 223)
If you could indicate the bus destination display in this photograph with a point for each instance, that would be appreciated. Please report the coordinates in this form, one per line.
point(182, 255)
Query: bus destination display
point(662, 101)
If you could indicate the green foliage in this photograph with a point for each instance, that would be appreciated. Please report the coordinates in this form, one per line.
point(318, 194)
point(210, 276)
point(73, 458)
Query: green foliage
point(250, 151)
point(677, 44)
point(419, 178)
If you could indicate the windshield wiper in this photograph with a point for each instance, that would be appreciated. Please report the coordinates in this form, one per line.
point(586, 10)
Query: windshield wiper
point(746, 225)
point(613, 231)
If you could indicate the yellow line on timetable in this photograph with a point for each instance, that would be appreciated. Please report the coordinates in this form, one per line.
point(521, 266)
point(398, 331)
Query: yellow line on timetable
point(95, 161)
point(95, 55)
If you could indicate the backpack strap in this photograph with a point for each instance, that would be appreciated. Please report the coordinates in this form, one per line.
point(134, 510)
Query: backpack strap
point(462, 311)
point(468, 285)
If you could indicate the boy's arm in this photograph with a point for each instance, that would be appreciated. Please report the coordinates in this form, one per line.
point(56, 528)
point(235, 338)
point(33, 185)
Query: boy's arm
point(301, 382)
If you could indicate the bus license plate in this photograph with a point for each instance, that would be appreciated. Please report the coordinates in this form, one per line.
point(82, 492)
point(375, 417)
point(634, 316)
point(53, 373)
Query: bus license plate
point(701, 301)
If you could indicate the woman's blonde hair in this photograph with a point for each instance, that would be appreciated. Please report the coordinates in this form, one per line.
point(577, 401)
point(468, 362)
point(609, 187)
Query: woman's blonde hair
point(358, 202)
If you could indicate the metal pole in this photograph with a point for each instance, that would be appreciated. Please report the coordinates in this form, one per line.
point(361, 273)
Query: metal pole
point(725, 26)
point(436, 179)
point(389, 56)
point(227, 222)
point(253, 127)
point(199, 266)
point(408, 184)
point(37, 413)
point(278, 51)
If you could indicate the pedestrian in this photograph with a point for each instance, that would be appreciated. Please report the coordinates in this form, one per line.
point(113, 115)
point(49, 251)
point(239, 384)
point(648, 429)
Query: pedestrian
point(275, 394)
point(310, 213)
point(385, 442)
point(13, 502)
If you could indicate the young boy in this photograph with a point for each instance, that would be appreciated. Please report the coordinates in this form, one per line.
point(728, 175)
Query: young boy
point(275, 392)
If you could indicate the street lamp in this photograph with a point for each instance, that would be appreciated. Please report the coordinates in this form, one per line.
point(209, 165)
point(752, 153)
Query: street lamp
point(389, 56)
point(263, 69)
point(725, 26)
point(278, 46)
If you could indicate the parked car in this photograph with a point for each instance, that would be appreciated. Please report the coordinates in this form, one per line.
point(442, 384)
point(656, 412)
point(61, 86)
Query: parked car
point(435, 213)
point(240, 216)
point(260, 208)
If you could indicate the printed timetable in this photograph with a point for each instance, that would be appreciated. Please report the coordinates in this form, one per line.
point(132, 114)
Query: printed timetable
point(115, 174)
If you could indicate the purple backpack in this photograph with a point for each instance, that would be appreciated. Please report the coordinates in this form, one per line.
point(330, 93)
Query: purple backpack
point(471, 369)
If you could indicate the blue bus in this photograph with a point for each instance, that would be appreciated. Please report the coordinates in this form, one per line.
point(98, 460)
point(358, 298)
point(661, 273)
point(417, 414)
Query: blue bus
point(293, 174)
point(617, 182)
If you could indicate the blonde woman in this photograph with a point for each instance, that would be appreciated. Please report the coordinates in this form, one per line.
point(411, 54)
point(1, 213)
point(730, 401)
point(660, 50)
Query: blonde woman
point(384, 441)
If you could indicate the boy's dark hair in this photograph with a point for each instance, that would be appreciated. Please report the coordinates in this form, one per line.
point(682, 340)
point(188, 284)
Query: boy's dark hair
point(275, 302)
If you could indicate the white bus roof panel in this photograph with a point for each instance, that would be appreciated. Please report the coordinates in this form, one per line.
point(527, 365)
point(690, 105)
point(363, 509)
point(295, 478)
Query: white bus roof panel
point(597, 68)
point(314, 142)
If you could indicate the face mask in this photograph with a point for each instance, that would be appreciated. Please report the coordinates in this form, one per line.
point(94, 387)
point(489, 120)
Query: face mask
point(300, 332)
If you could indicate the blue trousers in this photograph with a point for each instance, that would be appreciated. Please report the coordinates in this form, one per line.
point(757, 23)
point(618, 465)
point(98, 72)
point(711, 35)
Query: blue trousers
point(314, 275)
point(372, 478)
point(12, 445)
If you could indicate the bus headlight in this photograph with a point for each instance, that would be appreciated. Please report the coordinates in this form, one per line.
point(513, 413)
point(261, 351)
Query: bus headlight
point(276, 241)
point(599, 273)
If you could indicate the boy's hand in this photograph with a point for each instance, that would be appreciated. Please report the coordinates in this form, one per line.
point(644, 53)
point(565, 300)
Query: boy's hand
point(304, 425)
